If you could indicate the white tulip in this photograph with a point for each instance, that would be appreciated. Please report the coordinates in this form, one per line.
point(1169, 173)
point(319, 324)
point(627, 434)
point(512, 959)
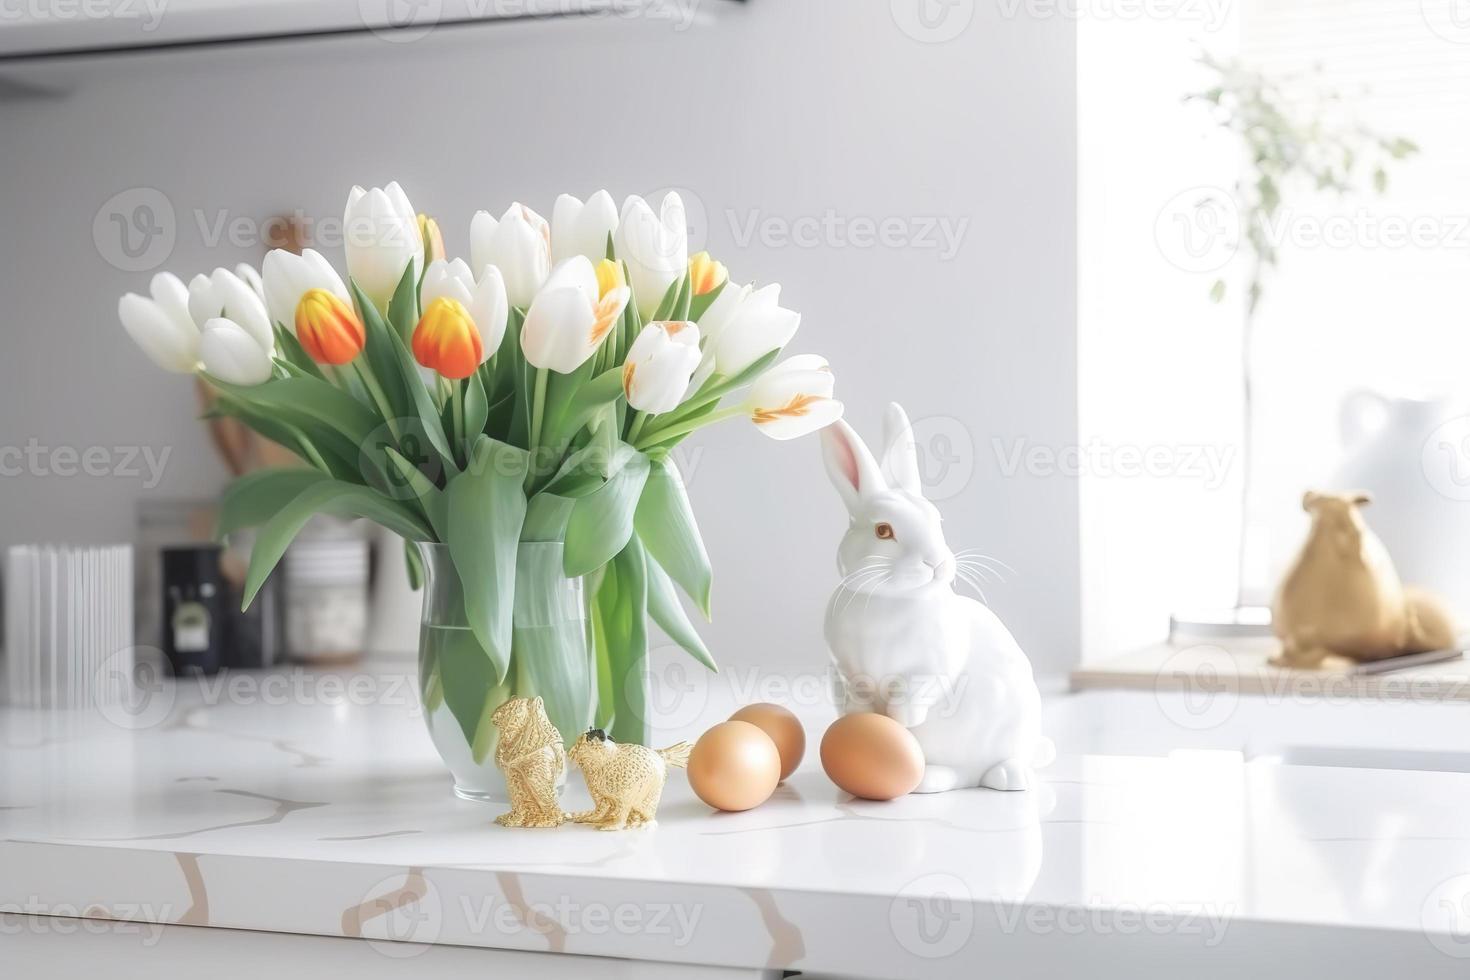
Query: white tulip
point(794, 398)
point(660, 362)
point(570, 316)
point(757, 326)
point(582, 229)
point(519, 245)
point(381, 232)
point(230, 353)
point(713, 324)
point(485, 299)
point(161, 325)
point(224, 294)
point(287, 277)
point(251, 278)
point(655, 248)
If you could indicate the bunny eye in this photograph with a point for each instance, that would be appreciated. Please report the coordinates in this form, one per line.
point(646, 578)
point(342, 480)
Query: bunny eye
point(884, 530)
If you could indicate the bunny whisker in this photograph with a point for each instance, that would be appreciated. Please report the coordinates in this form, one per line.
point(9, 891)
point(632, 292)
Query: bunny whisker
point(984, 571)
point(976, 555)
point(969, 579)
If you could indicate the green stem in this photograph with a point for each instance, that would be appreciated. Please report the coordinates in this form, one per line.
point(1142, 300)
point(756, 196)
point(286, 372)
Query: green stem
point(538, 410)
point(700, 399)
point(636, 428)
point(457, 394)
point(375, 390)
point(684, 428)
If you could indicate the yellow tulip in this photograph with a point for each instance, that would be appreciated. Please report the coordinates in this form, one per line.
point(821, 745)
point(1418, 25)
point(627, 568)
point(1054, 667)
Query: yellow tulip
point(609, 277)
point(705, 274)
point(433, 238)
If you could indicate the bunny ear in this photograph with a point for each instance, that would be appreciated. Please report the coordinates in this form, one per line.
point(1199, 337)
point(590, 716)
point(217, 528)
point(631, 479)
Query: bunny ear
point(900, 454)
point(850, 466)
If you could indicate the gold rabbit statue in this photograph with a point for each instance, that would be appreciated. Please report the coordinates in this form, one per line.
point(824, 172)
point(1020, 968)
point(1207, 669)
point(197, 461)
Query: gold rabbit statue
point(1341, 601)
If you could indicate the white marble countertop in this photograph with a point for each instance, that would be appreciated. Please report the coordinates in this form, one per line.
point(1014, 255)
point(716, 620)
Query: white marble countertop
point(306, 808)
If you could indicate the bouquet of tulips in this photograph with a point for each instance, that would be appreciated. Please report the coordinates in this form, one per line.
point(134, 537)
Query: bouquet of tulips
point(531, 394)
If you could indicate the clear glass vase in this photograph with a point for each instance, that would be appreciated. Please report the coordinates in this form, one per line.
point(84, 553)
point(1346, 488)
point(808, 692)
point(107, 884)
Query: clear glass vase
point(551, 658)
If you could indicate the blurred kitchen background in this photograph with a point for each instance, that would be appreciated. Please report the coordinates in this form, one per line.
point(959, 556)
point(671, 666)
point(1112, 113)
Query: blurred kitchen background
point(973, 204)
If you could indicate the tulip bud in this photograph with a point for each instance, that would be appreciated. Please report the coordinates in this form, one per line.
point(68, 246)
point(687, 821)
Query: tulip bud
point(382, 239)
point(756, 326)
point(705, 274)
point(329, 330)
point(519, 245)
point(655, 248)
point(231, 354)
point(582, 229)
point(609, 277)
point(160, 324)
point(659, 365)
point(447, 340)
point(432, 238)
point(570, 317)
point(794, 398)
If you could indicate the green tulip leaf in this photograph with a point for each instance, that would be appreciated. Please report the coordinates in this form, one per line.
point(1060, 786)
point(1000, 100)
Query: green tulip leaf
point(255, 498)
point(621, 624)
point(332, 497)
point(699, 305)
point(486, 511)
point(665, 524)
point(602, 521)
point(668, 613)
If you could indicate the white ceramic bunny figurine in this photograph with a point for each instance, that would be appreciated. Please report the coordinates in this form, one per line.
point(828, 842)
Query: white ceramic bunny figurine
point(906, 644)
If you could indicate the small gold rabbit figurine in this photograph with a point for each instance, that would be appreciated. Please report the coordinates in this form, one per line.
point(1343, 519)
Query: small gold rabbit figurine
point(531, 756)
point(1342, 602)
point(625, 781)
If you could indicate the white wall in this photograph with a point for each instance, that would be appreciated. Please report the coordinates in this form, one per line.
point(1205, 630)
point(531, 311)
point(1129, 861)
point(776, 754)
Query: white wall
point(768, 111)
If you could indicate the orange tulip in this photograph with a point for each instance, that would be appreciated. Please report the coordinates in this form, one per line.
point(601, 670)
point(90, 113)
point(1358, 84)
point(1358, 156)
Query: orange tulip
point(705, 274)
point(447, 340)
point(328, 328)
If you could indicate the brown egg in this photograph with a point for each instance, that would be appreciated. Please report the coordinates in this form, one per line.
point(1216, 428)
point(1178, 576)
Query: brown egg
point(784, 729)
point(872, 756)
point(734, 766)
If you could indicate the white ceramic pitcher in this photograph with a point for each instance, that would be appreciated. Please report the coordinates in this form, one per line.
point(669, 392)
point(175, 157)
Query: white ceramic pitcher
point(1413, 455)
